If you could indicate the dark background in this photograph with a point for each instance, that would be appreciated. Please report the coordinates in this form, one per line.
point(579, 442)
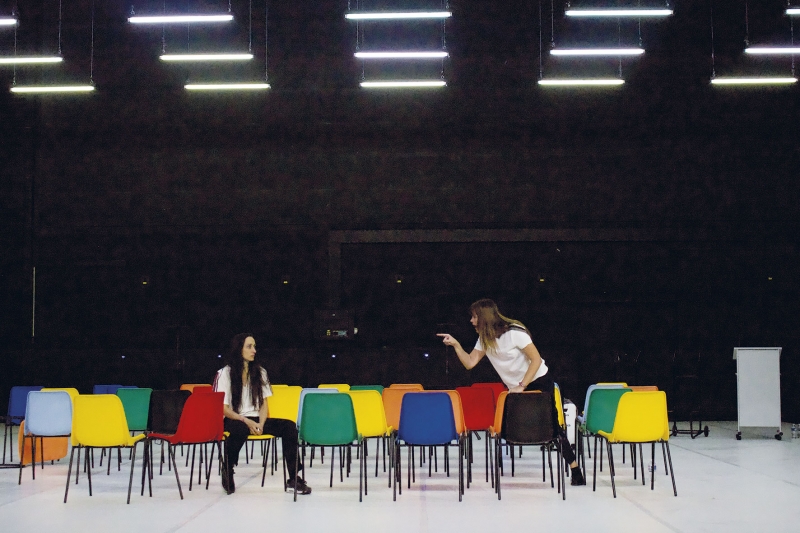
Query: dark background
point(661, 216)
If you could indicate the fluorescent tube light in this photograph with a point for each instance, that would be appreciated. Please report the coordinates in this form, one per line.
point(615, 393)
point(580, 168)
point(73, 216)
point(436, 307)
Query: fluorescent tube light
point(53, 89)
point(226, 86)
point(575, 52)
point(206, 57)
point(175, 19)
point(8, 21)
point(793, 11)
point(387, 15)
point(401, 55)
point(752, 81)
point(20, 60)
point(618, 12)
point(772, 50)
point(582, 82)
point(402, 84)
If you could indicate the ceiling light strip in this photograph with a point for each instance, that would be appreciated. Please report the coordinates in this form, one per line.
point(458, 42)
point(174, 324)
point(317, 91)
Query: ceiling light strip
point(21, 60)
point(793, 11)
point(178, 19)
point(398, 15)
point(403, 84)
point(8, 21)
point(206, 57)
point(594, 13)
point(570, 82)
point(772, 50)
point(583, 52)
point(34, 89)
point(401, 55)
point(753, 81)
point(226, 86)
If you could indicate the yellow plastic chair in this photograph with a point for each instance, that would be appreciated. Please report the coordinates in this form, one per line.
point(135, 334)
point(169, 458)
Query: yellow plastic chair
point(98, 421)
point(284, 402)
point(73, 392)
point(341, 387)
point(641, 418)
point(371, 424)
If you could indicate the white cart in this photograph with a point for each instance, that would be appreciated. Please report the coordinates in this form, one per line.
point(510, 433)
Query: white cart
point(758, 383)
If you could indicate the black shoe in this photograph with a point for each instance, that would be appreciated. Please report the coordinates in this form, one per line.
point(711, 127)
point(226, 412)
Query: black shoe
point(577, 478)
point(227, 481)
point(302, 488)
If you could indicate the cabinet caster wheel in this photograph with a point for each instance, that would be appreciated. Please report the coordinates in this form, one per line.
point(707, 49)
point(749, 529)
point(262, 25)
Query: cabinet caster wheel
point(738, 435)
point(705, 431)
point(779, 435)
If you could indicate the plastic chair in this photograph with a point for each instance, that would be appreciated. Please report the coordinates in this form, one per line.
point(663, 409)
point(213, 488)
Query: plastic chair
point(496, 388)
point(136, 403)
point(305, 392)
point(17, 402)
point(427, 419)
point(600, 417)
point(341, 387)
point(528, 420)
point(378, 388)
point(72, 391)
point(392, 403)
point(478, 404)
point(190, 386)
point(641, 418)
point(47, 414)
point(408, 386)
point(284, 402)
point(371, 423)
point(166, 407)
point(110, 389)
point(329, 420)
point(201, 422)
point(580, 418)
point(99, 422)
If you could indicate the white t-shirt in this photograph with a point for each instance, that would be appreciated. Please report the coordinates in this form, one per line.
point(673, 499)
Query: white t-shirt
point(509, 360)
point(247, 408)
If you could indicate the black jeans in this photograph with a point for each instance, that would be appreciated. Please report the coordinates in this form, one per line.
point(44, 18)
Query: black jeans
point(278, 427)
point(545, 384)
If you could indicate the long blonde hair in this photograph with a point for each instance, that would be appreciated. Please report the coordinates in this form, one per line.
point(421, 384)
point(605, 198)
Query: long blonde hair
point(492, 324)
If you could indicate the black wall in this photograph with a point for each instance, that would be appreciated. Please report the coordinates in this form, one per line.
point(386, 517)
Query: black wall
point(215, 200)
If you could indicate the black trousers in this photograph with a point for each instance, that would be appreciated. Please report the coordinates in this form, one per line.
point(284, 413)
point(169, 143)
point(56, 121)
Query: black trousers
point(279, 427)
point(545, 384)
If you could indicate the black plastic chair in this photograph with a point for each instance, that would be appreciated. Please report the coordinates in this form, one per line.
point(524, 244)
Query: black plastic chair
point(166, 407)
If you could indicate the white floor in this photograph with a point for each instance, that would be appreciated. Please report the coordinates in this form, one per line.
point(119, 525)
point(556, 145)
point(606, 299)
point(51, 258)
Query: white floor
point(723, 485)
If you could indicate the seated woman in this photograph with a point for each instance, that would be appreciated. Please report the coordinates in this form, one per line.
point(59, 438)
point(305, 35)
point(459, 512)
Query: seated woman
point(246, 387)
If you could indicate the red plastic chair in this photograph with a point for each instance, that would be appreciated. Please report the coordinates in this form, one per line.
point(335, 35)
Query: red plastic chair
point(478, 406)
point(201, 423)
point(497, 389)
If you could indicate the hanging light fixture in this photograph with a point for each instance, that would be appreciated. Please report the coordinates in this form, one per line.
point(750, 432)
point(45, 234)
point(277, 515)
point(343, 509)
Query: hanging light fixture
point(793, 11)
point(596, 52)
point(617, 13)
point(401, 55)
point(226, 86)
point(753, 81)
point(772, 50)
point(396, 15)
point(576, 82)
point(180, 19)
point(206, 57)
point(30, 60)
point(403, 84)
point(8, 21)
point(42, 89)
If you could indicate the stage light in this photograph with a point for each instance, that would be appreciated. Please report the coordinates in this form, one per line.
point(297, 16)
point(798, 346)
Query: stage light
point(401, 55)
point(30, 60)
point(575, 52)
point(8, 21)
point(582, 82)
point(226, 86)
point(33, 89)
point(206, 57)
point(752, 81)
point(386, 15)
point(177, 19)
point(403, 84)
point(772, 50)
point(618, 12)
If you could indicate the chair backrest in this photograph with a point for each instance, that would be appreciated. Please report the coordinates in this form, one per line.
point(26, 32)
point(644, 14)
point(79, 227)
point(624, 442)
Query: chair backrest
point(165, 410)
point(407, 386)
point(592, 388)
point(72, 391)
point(284, 402)
point(497, 425)
point(368, 408)
point(617, 383)
point(392, 403)
point(458, 411)
point(426, 418)
point(603, 409)
point(202, 419)
point(559, 405)
point(307, 392)
point(643, 388)
point(478, 405)
point(136, 403)
point(190, 386)
point(202, 389)
point(328, 420)
point(528, 418)
point(641, 417)
point(341, 387)
point(105, 389)
point(496, 388)
point(48, 414)
point(99, 420)
point(17, 401)
point(378, 388)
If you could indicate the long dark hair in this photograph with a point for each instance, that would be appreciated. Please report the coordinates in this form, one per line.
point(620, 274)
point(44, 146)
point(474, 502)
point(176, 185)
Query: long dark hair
point(492, 324)
point(255, 374)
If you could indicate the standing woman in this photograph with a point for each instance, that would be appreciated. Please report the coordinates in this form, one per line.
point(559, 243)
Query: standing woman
point(508, 345)
point(246, 386)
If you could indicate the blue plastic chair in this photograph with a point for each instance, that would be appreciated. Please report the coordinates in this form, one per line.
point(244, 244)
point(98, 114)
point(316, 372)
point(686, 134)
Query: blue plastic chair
point(47, 414)
point(426, 419)
point(17, 401)
point(110, 389)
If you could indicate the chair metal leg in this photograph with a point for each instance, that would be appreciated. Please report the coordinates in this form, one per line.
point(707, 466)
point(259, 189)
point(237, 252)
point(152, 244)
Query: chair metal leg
point(671, 470)
point(641, 460)
point(130, 480)
point(611, 468)
point(69, 470)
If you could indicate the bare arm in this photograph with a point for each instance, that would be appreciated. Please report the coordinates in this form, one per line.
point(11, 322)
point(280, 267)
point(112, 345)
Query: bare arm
point(469, 360)
point(255, 428)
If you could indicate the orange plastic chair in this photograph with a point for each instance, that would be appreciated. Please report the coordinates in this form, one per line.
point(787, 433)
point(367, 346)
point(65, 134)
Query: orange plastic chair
point(407, 386)
point(643, 388)
point(392, 402)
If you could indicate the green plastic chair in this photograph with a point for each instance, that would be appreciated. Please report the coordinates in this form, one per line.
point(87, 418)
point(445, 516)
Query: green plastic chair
point(329, 420)
point(136, 403)
point(600, 416)
point(378, 388)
